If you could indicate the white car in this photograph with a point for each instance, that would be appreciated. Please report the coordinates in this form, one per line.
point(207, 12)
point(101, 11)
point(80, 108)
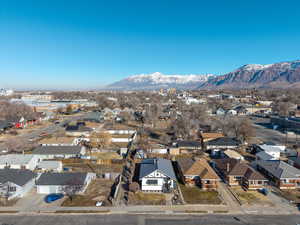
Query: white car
point(98, 204)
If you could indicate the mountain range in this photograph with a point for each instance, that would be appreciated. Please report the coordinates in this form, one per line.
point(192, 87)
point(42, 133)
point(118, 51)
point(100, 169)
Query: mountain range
point(277, 75)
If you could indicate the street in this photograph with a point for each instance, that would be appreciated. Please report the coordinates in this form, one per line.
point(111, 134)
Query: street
point(265, 133)
point(148, 220)
point(49, 130)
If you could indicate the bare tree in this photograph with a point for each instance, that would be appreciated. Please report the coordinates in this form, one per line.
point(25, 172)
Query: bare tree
point(100, 139)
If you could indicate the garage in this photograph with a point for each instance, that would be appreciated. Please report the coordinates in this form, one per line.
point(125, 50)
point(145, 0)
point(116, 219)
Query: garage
point(48, 189)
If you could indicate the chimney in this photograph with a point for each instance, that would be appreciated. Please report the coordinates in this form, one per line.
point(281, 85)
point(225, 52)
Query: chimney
point(228, 167)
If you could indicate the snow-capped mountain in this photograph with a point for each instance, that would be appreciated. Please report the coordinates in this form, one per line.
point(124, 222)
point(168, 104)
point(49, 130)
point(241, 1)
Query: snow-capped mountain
point(277, 75)
point(158, 80)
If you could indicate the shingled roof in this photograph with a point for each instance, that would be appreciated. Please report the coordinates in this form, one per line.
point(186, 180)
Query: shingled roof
point(233, 167)
point(162, 165)
point(197, 168)
point(279, 169)
point(16, 176)
point(57, 150)
point(62, 179)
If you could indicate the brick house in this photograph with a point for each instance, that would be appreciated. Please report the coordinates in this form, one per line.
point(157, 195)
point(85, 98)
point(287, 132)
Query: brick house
point(280, 174)
point(198, 172)
point(237, 173)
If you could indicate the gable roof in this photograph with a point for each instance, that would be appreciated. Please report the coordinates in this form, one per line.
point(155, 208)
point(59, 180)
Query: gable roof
point(57, 150)
point(62, 179)
point(279, 169)
point(236, 168)
point(16, 176)
point(252, 174)
point(197, 167)
point(162, 165)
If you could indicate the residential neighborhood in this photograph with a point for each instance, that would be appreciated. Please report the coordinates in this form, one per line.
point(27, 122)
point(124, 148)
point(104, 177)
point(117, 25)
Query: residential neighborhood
point(125, 153)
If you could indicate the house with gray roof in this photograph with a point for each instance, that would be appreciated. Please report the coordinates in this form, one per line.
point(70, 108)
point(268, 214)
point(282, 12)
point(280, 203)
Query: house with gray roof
point(49, 183)
point(157, 175)
point(19, 161)
point(15, 183)
point(50, 166)
point(280, 174)
point(52, 152)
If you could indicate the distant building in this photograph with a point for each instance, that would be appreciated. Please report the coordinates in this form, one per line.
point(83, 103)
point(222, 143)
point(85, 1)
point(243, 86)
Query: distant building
point(6, 92)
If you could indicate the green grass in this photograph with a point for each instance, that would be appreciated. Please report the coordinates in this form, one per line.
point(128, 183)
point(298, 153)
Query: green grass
point(194, 195)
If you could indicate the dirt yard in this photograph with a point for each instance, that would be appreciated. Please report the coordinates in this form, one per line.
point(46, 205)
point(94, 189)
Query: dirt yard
point(141, 198)
point(98, 190)
point(94, 168)
point(194, 195)
point(291, 195)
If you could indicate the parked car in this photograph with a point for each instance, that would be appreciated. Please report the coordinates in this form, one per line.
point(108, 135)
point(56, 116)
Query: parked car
point(99, 203)
point(53, 197)
point(264, 191)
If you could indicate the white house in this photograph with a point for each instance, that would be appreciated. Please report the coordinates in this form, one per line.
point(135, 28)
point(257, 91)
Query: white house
point(19, 161)
point(56, 182)
point(157, 175)
point(15, 183)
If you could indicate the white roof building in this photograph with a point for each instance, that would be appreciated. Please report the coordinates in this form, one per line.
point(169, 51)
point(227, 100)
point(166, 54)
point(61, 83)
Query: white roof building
point(19, 161)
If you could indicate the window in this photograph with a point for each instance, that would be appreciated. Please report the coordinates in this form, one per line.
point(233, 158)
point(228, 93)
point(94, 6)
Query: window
point(12, 189)
point(259, 182)
point(152, 182)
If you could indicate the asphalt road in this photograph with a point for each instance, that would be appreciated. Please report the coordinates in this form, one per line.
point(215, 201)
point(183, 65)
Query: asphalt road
point(265, 133)
point(148, 220)
point(51, 129)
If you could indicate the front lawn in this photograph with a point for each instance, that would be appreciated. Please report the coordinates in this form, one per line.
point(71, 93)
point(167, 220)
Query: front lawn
point(141, 198)
point(251, 197)
point(194, 195)
point(291, 195)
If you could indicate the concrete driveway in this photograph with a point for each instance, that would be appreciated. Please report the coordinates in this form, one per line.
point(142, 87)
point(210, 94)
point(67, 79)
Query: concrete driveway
point(32, 200)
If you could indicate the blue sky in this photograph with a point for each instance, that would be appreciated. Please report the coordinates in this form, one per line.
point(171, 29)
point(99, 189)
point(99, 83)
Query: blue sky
point(88, 44)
